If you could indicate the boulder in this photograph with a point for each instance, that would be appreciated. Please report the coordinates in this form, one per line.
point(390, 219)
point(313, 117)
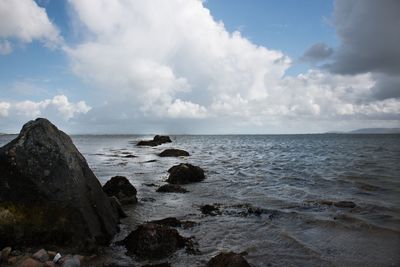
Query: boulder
point(41, 255)
point(185, 173)
point(171, 188)
point(228, 259)
point(157, 140)
point(5, 254)
point(211, 210)
point(172, 152)
point(153, 241)
point(49, 195)
point(29, 262)
point(121, 188)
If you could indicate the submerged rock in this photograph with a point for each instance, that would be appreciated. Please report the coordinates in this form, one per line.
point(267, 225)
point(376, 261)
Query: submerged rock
point(153, 241)
point(48, 193)
point(174, 222)
point(171, 188)
point(345, 204)
point(172, 152)
point(121, 188)
point(228, 259)
point(157, 140)
point(185, 173)
point(212, 210)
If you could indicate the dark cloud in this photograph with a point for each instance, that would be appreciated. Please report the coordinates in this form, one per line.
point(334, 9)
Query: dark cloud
point(369, 31)
point(317, 52)
point(386, 86)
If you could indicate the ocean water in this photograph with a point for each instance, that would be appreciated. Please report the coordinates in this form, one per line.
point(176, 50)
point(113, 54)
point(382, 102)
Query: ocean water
point(291, 179)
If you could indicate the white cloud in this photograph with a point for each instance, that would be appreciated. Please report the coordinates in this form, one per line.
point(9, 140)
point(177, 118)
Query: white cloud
point(26, 21)
point(155, 53)
point(59, 103)
point(5, 47)
point(4, 107)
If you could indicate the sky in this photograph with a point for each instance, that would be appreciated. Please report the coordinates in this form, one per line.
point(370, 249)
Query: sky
point(200, 67)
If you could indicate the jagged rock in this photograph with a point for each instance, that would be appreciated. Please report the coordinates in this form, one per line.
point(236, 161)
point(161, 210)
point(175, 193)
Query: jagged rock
point(48, 193)
point(228, 259)
point(157, 140)
point(121, 188)
point(185, 173)
point(153, 241)
point(172, 152)
point(174, 222)
point(171, 188)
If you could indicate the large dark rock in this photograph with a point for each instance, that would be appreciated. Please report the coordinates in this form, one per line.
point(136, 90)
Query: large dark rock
point(157, 140)
point(48, 193)
point(174, 222)
point(172, 152)
point(153, 241)
point(228, 259)
point(185, 173)
point(121, 188)
point(171, 188)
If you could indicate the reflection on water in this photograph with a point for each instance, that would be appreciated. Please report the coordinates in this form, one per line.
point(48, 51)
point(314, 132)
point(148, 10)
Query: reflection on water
point(294, 179)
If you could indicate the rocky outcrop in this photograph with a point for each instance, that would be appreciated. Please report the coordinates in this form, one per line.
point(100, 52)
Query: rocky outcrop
point(157, 140)
point(172, 152)
point(153, 241)
point(228, 259)
point(185, 173)
point(171, 188)
point(121, 188)
point(48, 193)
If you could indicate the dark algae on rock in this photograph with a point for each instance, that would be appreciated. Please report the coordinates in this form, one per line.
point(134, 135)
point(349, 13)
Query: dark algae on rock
point(153, 241)
point(48, 193)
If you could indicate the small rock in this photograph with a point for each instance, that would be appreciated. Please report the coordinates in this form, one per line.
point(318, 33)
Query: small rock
point(51, 254)
point(185, 173)
point(29, 262)
point(228, 259)
point(72, 262)
point(345, 204)
point(49, 264)
point(57, 257)
point(41, 255)
point(5, 253)
point(12, 260)
point(172, 152)
point(153, 241)
point(121, 188)
point(157, 140)
point(171, 188)
point(210, 210)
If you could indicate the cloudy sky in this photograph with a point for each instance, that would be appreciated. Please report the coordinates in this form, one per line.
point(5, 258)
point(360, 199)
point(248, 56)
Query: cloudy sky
point(191, 66)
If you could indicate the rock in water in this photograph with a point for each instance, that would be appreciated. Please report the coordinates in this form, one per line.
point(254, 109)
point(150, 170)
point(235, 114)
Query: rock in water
point(172, 152)
point(171, 188)
point(157, 140)
point(228, 259)
point(48, 193)
point(185, 173)
point(121, 188)
point(153, 241)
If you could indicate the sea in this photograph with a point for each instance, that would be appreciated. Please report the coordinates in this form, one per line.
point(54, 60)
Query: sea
point(276, 194)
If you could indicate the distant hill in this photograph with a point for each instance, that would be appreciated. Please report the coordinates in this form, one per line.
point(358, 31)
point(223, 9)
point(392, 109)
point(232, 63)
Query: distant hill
point(376, 131)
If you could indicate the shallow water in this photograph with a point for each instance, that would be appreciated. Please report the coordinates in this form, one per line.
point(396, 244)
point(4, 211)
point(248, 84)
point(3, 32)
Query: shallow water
point(290, 177)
